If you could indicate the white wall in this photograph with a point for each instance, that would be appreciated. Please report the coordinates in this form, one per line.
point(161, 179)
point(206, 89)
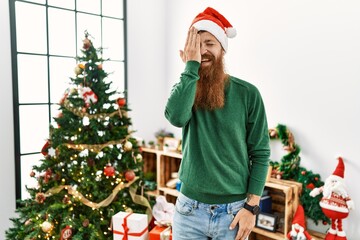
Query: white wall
point(304, 57)
point(7, 165)
point(147, 66)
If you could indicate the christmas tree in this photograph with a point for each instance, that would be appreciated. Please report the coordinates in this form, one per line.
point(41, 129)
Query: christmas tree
point(91, 167)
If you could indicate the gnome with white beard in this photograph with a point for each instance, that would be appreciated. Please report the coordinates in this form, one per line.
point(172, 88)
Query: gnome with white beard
point(335, 202)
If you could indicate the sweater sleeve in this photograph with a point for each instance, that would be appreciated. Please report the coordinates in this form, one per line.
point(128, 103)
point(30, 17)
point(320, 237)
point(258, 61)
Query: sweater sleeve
point(258, 144)
point(179, 105)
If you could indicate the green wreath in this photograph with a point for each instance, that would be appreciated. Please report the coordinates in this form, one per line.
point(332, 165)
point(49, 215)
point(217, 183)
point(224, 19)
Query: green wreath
point(290, 162)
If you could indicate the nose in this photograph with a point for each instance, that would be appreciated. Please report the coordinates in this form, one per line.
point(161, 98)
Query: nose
point(203, 50)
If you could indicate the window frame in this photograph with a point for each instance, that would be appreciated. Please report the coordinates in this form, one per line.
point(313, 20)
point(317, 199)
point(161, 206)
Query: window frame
point(15, 79)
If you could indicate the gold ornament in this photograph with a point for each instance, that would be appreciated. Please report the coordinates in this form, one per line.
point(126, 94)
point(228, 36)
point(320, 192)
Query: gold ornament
point(46, 226)
point(127, 146)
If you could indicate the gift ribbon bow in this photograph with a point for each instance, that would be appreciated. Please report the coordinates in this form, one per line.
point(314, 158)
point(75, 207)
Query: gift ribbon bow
point(126, 230)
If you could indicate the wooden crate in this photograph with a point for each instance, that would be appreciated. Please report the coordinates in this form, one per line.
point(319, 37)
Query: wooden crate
point(149, 162)
point(282, 200)
point(168, 165)
point(297, 190)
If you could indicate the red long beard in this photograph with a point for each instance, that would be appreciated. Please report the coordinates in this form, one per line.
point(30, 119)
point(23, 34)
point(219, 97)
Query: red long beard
point(210, 90)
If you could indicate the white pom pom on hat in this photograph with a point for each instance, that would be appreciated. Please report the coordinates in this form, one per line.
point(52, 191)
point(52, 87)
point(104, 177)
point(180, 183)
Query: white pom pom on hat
point(213, 22)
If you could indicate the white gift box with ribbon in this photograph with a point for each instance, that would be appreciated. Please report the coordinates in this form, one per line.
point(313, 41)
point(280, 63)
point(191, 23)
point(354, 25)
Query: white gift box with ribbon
point(130, 226)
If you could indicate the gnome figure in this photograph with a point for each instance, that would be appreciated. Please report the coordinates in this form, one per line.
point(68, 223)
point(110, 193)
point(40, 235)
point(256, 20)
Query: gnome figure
point(298, 227)
point(335, 202)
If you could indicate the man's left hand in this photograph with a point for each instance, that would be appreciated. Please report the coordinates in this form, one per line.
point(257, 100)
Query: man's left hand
point(246, 221)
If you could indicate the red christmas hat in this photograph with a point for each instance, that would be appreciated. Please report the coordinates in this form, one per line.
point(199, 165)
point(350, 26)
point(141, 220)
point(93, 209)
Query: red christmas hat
point(299, 216)
point(340, 169)
point(213, 22)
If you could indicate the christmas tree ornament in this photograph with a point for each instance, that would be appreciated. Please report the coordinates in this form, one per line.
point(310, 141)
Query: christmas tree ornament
point(86, 223)
point(109, 170)
point(127, 146)
point(66, 199)
point(77, 70)
point(129, 175)
point(44, 150)
point(139, 157)
point(40, 197)
point(28, 222)
point(46, 226)
point(86, 43)
point(121, 102)
point(66, 233)
point(310, 186)
point(88, 95)
point(335, 202)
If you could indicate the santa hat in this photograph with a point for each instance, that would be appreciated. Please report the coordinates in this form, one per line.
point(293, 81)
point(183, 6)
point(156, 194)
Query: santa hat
point(213, 22)
point(299, 217)
point(340, 169)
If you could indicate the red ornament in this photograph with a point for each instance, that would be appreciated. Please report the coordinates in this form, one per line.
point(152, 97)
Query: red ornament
point(129, 175)
point(109, 171)
point(86, 43)
point(316, 178)
point(310, 186)
point(121, 102)
point(45, 148)
point(66, 233)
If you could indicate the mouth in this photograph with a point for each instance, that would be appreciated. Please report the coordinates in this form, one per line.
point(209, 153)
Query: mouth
point(206, 59)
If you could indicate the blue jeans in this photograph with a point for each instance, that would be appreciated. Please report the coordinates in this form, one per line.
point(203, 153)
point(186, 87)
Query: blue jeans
point(194, 220)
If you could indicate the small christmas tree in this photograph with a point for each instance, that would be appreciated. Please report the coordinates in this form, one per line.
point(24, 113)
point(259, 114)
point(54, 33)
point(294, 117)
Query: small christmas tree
point(289, 168)
point(91, 163)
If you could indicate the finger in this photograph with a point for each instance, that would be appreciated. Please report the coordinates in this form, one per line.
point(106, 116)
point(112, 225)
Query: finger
point(182, 55)
point(234, 223)
point(241, 235)
point(197, 44)
point(187, 39)
point(190, 37)
point(194, 37)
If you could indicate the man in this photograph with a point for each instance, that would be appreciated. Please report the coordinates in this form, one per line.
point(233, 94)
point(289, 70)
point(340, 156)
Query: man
point(225, 139)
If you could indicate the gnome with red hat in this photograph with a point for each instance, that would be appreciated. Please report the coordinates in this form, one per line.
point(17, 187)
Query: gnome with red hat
point(335, 202)
point(298, 227)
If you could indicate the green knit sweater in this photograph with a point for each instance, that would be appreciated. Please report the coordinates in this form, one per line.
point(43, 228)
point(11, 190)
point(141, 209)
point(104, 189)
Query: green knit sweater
point(226, 151)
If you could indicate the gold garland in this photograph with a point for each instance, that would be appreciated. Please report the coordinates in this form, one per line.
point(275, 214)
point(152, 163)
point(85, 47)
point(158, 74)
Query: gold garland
point(86, 201)
point(93, 147)
point(78, 112)
point(138, 199)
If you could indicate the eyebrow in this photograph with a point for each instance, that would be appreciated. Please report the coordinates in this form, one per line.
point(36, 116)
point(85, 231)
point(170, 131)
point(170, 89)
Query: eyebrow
point(209, 40)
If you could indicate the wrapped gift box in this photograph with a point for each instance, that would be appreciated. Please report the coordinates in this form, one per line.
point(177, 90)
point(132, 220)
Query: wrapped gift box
point(132, 225)
point(160, 233)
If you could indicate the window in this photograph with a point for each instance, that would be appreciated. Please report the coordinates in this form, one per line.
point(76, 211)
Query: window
point(46, 38)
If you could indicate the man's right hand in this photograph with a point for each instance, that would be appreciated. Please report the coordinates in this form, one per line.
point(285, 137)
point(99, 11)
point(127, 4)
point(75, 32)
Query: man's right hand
point(191, 51)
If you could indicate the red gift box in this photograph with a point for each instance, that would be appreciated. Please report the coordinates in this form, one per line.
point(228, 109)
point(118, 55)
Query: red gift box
point(160, 233)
